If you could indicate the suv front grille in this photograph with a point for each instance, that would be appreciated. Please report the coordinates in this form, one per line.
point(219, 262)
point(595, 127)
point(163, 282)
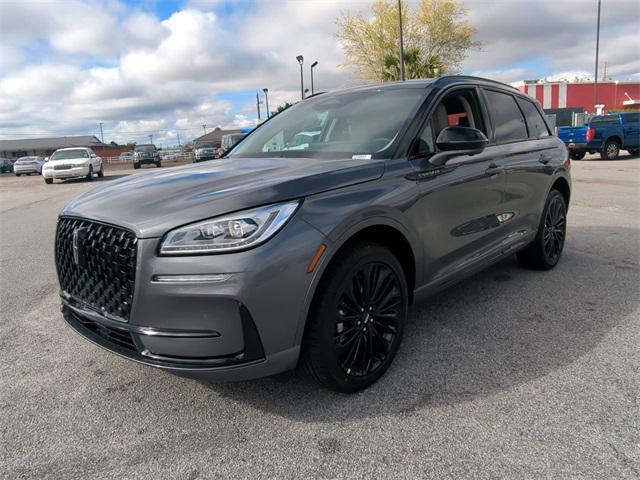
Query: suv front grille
point(98, 269)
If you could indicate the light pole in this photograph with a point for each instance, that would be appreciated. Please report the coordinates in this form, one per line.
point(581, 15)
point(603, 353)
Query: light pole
point(266, 100)
point(300, 59)
point(150, 138)
point(401, 41)
point(101, 132)
point(595, 83)
point(258, 105)
point(313, 65)
point(204, 129)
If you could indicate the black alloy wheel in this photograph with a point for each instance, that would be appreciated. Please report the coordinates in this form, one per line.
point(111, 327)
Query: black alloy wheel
point(546, 249)
point(356, 319)
point(367, 319)
point(555, 225)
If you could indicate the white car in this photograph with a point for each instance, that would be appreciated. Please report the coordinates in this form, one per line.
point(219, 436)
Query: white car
point(28, 165)
point(72, 162)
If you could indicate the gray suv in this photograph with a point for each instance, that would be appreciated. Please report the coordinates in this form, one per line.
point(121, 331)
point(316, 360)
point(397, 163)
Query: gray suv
point(290, 253)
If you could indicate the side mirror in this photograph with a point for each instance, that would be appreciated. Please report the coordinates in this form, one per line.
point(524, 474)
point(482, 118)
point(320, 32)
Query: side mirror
point(93, 155)
point(46, 159)
point(457, 141)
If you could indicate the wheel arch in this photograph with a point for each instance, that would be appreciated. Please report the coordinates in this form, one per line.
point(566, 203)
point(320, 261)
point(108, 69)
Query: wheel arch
point(615, 138)
point(562, 185)
point(382, 231)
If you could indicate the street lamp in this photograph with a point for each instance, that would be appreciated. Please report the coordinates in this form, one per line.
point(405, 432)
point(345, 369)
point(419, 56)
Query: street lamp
point(266, 99)
point(300, 59)
point(313, 65)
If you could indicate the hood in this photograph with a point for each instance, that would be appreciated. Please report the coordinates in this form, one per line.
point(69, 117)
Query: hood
point(151, 204)
point(69, 161)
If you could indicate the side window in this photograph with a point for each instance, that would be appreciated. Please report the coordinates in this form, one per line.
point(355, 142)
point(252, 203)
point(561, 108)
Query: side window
point(459, 108)
point(535, 122)
point(508, 122)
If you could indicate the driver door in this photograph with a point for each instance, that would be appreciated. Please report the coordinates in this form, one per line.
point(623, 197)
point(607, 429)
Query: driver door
point(460, 203)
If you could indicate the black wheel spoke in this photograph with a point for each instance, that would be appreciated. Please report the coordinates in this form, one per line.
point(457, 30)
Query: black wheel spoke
point(368, 314)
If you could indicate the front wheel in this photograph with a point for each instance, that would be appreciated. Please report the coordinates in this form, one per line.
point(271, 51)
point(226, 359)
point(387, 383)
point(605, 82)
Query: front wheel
point(18, 174)
point(356, 320)
point(610, 151)
point(89, 176)
point(545, 250)
point(159, 164)
point(101, 172)
point(577, 155)
point(633, 152)
point(48, 181)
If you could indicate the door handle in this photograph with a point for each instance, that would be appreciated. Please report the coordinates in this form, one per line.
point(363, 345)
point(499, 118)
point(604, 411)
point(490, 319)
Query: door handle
point(493, 169)
point(544, 159)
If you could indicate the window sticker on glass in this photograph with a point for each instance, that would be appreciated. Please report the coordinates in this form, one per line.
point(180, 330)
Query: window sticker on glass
point(361, 157)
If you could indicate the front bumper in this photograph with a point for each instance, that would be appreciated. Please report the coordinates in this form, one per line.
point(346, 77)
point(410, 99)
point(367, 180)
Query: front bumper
point(74, 172)
point(25, 169)
point(249, 325)
point(146, 160)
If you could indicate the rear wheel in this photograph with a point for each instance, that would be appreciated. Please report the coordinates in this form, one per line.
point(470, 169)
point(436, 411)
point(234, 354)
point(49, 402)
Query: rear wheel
point(101, 172)
point(545, 250)
point(159, 164)
point(48, 180)
point(577, 155)
point(633, 151)
point(610, 151)
point(357, 319)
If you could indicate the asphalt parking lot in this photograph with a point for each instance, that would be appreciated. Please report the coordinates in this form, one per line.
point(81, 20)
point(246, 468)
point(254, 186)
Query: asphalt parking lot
point(510, 374)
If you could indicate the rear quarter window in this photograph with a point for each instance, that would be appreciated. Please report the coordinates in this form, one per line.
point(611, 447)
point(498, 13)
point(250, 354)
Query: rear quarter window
point(508, 123)
point(535, 122)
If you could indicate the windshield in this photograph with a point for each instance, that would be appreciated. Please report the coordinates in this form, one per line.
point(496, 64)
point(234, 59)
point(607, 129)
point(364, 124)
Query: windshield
point(335, 125)
point(69, 154)
point(145, 148)
point(206, 145)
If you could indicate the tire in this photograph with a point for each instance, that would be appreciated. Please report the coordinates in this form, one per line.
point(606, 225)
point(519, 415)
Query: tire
point(577, 155)
point(352, 336)
point(101, 172)
point(546, 249)
point(159, 164)
point(136, 166)
point(633, 152)
point(89, 176)
point(610, 151)
point(48, 181)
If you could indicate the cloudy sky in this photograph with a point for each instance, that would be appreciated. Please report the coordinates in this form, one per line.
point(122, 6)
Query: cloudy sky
point(167, 68)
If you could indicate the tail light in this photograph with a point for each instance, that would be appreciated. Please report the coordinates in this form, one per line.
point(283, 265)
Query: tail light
point(591, 133)
point(567, 161)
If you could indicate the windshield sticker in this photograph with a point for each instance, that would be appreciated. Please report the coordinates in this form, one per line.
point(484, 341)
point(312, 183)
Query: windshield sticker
point(361, 157)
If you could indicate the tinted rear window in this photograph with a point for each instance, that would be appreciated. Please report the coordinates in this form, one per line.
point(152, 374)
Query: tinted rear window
point(508, 122)
point(608, 120)
point(535, 123)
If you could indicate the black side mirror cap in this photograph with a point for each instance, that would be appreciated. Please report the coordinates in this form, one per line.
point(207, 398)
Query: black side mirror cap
point(457, 141)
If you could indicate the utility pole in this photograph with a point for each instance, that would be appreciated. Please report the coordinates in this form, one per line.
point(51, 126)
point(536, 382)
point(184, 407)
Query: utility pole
point(179, 140)
point(151, 138)
point(401, 41)
point(101, 132)
point(266, 100)
point(314, 64)
point(204, 128)
point(595, 84)
point(604, 73)
point(258, 105)
point(300, 60)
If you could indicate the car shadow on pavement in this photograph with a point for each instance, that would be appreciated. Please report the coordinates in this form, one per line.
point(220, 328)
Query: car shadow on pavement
point(504, 327)
point(106, 178)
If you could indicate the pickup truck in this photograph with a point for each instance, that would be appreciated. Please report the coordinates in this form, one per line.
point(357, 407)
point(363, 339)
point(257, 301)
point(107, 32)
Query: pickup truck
point(607, 134)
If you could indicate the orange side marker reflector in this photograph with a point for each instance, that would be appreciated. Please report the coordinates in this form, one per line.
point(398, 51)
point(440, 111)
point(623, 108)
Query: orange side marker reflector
point(316, 258)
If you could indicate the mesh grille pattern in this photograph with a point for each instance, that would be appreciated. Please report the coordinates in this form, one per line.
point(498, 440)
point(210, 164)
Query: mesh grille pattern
point(100, 273)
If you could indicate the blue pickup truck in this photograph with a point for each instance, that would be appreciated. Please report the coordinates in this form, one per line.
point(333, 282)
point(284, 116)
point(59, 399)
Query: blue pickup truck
point(607, 134)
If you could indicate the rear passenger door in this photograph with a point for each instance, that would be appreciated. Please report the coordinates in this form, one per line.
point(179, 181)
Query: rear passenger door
point(528, 154)
point(631, 127)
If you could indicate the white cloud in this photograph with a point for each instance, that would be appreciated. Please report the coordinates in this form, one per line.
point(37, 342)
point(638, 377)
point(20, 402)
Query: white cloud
point(108, 61)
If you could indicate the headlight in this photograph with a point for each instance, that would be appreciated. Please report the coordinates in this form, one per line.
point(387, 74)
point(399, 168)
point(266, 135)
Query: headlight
point(228, 233)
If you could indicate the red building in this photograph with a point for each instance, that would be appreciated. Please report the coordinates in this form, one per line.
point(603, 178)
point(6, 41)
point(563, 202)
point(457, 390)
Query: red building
point(611, 95)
